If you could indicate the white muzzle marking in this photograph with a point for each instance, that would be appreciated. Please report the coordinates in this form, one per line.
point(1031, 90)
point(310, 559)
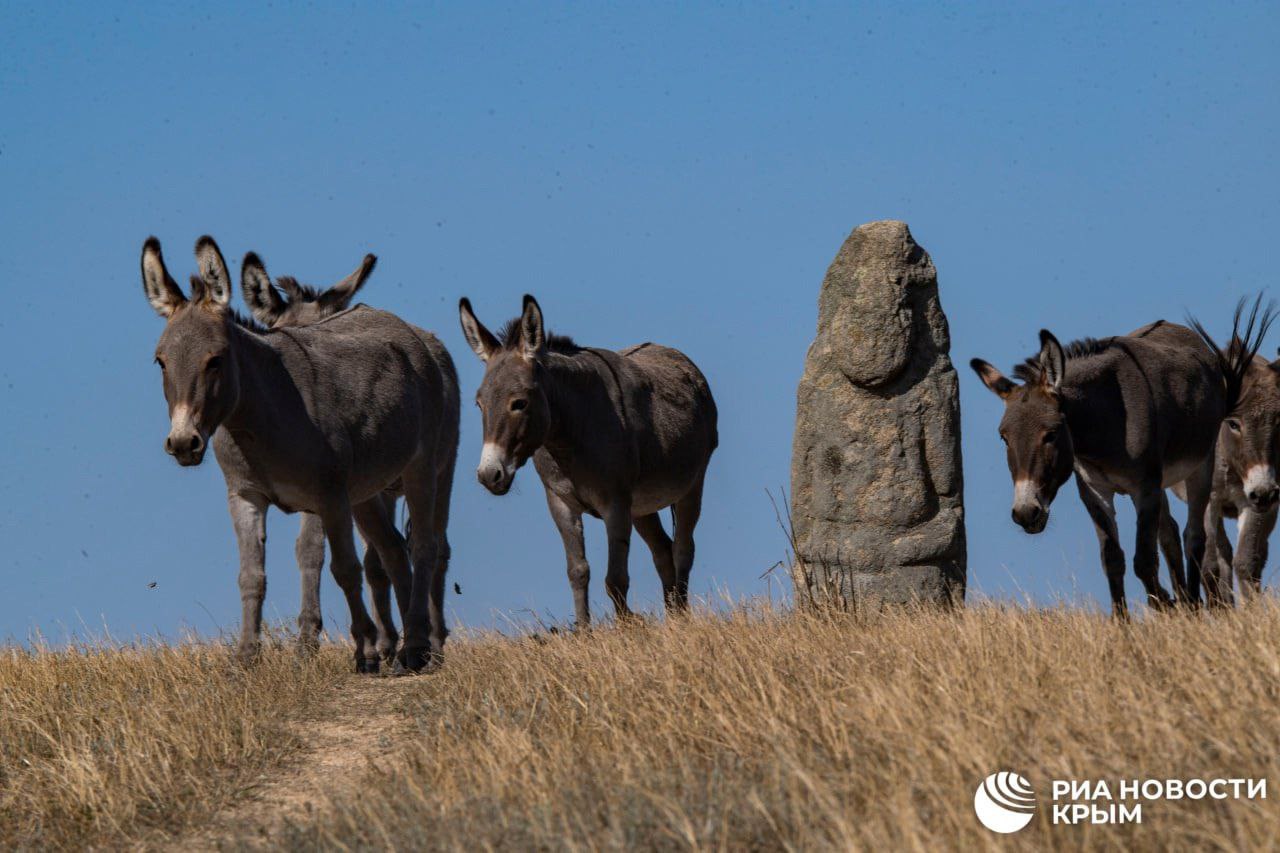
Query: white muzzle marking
point(1025, 494)
point(1259, 478)
point(491, 457)
point(181, 422)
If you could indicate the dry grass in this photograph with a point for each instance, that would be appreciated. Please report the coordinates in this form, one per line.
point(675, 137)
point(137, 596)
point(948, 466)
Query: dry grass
point(108, 745)
point(756, 730)
point(772, 731)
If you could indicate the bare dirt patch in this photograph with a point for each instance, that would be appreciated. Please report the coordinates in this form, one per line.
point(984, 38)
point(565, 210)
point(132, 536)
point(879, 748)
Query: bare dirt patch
point(354, 731)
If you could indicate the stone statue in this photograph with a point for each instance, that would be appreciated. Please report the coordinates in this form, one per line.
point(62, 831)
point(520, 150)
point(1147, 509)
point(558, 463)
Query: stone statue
point(877, 491)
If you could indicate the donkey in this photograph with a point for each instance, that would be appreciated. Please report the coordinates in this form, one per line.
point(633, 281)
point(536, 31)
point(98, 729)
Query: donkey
point(1244, 485)
point(291, 305)
point(321, 418)
point(1131, 415)
point(618, 435)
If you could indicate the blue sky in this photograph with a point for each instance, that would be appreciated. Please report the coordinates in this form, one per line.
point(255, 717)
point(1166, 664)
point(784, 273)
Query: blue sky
point(663, 172)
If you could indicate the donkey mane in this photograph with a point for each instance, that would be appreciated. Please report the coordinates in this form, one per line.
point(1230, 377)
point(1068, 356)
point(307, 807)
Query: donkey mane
point(1029, 370)
point(509, 339)
point(1235, 360)
point(244, 321)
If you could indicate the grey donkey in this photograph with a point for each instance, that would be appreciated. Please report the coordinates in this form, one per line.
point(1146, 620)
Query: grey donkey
point(322, 419)
point(290, 304)
point(1244, 484)
point(617, 435)
point(1130, 415)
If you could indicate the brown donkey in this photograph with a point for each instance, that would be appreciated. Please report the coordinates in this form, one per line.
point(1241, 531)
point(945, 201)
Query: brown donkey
point(1130, 415)
point(290, 304)
point(321, 418)
point(1244, 485)
point(618, 435)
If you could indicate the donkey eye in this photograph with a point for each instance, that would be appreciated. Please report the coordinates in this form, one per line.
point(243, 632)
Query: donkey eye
point(213, 364)
point(1051, 436)
point(1233, 424)
point(519, 405)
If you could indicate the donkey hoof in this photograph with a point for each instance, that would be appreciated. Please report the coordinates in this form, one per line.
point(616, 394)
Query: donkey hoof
point(367, 667)
point(399, 670)
point(247, 656)
point(415, 660)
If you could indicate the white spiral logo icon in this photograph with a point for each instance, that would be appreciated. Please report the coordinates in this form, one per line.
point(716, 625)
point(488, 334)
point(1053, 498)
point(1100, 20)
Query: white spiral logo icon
point(1005, 802)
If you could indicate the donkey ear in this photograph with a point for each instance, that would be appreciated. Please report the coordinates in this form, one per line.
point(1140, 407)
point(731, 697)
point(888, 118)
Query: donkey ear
point(1053, 362)
point(1001, 386)
point(161, 290)
point(480, 339)
point(292, 290)
point(340, 295)
point(533, 337)
point(213, 269)
point(264, 301)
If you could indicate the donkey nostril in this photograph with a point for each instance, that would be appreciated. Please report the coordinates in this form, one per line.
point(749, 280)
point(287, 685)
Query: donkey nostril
point(1027, 515)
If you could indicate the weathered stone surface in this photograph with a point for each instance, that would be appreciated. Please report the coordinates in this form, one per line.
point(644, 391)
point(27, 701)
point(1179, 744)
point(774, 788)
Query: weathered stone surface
point(877, 498)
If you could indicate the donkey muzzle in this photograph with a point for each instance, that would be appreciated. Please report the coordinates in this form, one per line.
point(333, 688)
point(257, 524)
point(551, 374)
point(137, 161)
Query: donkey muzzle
point(186, 448)
point(1028, 512)
point(1260, 487)
point(495, 472)
point(1030, 518)
point(1264, 500)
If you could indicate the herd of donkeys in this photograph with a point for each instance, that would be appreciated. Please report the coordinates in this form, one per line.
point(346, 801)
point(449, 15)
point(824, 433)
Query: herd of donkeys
point(334, 411)
point(1163, 407)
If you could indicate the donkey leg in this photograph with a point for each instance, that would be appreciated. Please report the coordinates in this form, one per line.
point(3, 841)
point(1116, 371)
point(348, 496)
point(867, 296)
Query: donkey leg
point(345, 565)
point(1199, 488)
point(1102, 510)
point(688, 510)
point(310, 553)
point(385, 548)
point(380, 595)
point(1251, 550)
point(650, 529)
point(249, 518)
point(1215, 568)
point(1171, 548)
point(569, 522)
point(1226, 560)
point(1146, 560)
point(424, 629)
point(617, 579)
point(400, 570)
point(444, 494)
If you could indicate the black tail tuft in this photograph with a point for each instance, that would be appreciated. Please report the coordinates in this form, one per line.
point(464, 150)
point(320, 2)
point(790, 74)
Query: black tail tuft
point(1235, 360)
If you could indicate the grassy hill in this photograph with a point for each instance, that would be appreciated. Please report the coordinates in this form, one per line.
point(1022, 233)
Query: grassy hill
point(759, 729)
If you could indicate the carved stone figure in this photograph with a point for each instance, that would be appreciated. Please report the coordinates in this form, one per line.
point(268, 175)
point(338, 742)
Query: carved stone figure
point(877, 497)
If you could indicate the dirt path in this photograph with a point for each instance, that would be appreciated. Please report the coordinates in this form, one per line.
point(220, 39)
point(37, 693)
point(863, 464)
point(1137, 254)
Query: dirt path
point(355, 730)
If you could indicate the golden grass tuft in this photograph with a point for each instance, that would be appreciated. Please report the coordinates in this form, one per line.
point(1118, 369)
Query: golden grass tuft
point(768, 730)
point(113, 744)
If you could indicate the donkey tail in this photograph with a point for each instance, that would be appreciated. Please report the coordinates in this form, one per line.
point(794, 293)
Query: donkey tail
point(1234, 361)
